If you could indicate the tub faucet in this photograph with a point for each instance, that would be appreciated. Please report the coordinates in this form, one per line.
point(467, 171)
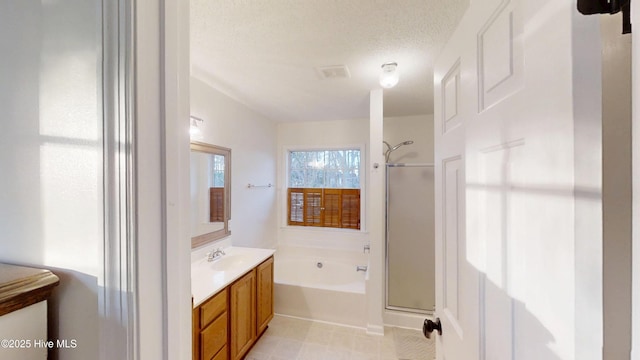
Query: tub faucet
point(367, 249)
point(361, 268)
point(217, 253)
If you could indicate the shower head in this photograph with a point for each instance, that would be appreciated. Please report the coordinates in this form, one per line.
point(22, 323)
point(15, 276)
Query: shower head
point(390, 149)
point(408, 142)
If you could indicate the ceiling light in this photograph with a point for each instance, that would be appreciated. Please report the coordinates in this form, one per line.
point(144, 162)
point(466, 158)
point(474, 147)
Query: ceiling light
point(389, 76)
point(194, 131)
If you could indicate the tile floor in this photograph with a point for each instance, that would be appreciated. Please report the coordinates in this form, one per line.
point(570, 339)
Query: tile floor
point(296, 339)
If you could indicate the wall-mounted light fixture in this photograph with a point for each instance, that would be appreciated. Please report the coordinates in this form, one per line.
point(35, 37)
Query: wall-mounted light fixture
point(194, 131)
point(389, 76)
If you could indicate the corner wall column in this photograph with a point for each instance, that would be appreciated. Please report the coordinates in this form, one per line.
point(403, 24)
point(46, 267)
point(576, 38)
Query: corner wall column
point(375, 214)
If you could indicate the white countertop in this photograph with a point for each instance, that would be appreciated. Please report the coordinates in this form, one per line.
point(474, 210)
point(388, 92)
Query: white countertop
point(207, 278)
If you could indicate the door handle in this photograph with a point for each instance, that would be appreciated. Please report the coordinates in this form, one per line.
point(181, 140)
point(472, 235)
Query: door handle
point(429, 326)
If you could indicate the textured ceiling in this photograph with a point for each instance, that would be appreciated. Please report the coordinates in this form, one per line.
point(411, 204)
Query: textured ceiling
point(264, 53)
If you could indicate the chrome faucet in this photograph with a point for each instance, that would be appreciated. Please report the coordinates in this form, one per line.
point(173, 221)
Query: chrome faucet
point(213, 255)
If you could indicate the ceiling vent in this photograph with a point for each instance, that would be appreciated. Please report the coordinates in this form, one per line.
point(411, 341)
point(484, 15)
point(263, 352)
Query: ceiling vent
point(333, 72)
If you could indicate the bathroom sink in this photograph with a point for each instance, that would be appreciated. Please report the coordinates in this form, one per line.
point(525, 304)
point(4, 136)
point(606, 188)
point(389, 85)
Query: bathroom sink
point(228, 262)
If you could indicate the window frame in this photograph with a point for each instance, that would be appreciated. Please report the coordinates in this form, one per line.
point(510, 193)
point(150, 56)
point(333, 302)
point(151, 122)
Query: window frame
point(362, 181)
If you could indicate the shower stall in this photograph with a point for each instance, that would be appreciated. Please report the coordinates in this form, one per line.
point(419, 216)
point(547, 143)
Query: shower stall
point(410, 236)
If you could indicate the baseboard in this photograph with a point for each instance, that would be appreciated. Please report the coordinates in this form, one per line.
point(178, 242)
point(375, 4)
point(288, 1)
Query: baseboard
point(322, 321)
point(375, 330)
point(404, 319)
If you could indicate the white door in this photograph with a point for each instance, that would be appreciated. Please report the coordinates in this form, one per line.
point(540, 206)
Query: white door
point(518, 184)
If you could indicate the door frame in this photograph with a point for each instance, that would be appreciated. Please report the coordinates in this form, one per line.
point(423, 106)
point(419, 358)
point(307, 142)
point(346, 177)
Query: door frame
point(146, 252)
point(117, 284)
point(635, 18)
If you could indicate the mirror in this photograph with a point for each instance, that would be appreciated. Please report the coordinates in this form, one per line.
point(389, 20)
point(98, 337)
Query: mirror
point(210, 183)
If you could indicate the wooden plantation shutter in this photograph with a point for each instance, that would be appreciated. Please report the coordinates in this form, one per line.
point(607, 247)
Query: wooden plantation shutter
point(216, 204)
point(337, 208)
point(332, 208)
point(296, 207)
point(313, 207)
point(350, 214)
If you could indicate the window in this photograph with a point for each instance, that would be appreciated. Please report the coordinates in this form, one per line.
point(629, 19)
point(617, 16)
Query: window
point(324, 188)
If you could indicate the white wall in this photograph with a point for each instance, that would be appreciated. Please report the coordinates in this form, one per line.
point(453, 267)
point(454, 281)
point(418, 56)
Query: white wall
point(418, 128)
point(375, 215)
point(309, 135)
point(252, 140)
point(616, 186)
point(51, 156)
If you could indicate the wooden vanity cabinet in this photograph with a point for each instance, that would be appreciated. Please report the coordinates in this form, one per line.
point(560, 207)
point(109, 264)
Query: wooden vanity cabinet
point(227, 325)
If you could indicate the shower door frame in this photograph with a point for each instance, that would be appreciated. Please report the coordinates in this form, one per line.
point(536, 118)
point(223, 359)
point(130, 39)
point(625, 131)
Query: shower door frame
point(386, 241)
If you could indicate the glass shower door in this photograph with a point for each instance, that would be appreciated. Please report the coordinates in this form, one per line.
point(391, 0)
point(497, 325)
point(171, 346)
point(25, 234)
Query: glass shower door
point(410, 260)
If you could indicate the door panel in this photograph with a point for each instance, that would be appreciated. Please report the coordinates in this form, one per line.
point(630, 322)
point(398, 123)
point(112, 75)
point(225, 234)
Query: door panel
point(451, 98)
point(452, 222)
point(499, 55)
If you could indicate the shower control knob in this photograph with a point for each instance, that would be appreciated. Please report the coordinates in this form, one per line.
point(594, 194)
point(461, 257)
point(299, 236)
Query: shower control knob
point(429, 326)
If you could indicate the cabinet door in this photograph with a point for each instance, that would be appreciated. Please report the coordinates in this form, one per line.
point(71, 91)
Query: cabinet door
point(243, 315)
point(221, 355)
point(265, 294)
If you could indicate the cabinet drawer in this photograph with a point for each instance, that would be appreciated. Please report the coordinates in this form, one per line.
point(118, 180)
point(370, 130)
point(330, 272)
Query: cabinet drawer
point(214, 337)
point(213, 308)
